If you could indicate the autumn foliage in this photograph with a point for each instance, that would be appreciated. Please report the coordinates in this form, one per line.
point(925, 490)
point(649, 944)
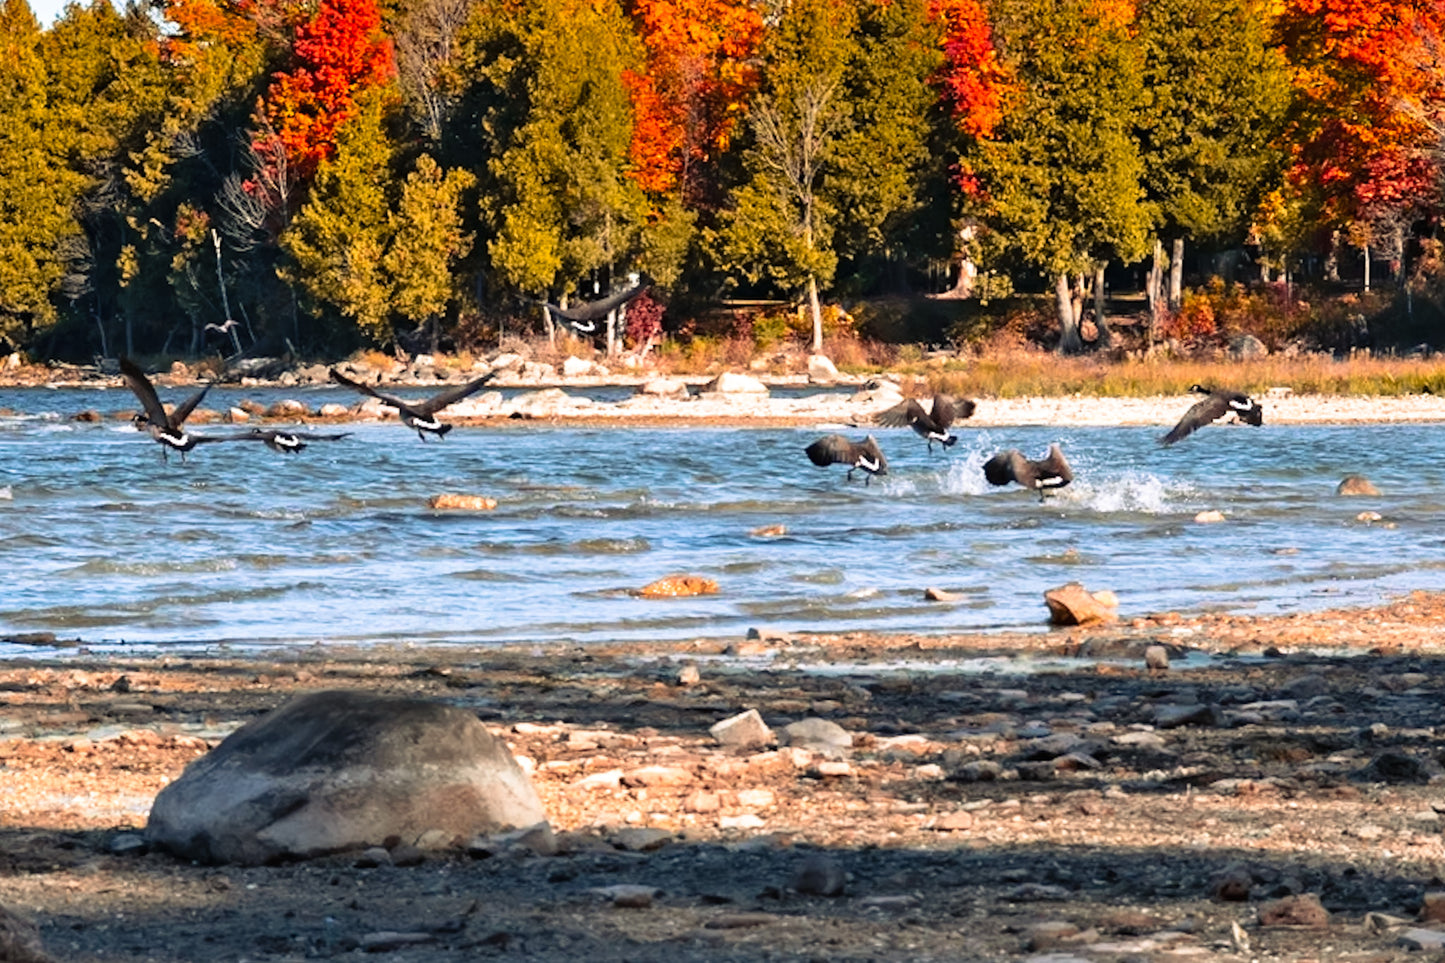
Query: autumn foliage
point(973, 80)
point(337, 53)
point(1357, 140)
point(700, 73)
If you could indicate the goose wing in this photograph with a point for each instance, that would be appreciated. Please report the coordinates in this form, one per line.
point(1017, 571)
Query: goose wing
point(367, 389)
point(1005, 467)
point(184, 409)
point(830, 450)
point(313, 436)
point(138, 383)
point(902, 414)
point(1201, 413)
point(947, 409)
point(452, 395)
point(592, 310)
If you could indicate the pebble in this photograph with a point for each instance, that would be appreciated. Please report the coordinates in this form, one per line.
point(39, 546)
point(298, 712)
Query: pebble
point(1302, 909)
point(742, 731)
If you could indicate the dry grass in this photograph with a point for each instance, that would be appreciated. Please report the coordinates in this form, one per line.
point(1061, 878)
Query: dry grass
point(1035, 374)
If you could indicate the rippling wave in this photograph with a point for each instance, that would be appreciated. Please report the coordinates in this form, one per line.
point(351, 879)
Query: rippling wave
point(243, 546)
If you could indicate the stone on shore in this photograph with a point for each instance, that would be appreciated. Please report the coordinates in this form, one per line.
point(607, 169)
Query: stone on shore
point(1072, 604)
point(340, 770)
point(664, 388)
point(678, 586)
point(1356, 485)
point(743, 731)
point(733, 383)
point(821, 370)
point(469, 503)
point(818, 735)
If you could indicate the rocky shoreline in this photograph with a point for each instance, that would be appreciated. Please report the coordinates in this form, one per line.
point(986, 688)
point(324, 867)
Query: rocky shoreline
point(525, 390)
point(1272, 794)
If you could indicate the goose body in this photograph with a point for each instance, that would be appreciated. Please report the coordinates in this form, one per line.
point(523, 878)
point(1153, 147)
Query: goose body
point(285, 441)
point(419, 415)
point(931, 424)
point(837, 450)
point(1044, 474)
point(167, 428)
point(1216, 403)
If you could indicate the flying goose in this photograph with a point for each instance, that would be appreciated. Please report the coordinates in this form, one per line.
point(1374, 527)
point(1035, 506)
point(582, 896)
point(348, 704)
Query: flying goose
point(837, 450)
point(584, 317)
point(1050, 472)
point(166, 428)
point(420, 415)
point(1217, 403)
point(284, 441)
point(931, 425)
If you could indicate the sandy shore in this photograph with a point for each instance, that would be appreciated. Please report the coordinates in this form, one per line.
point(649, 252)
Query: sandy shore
point(1274, 795)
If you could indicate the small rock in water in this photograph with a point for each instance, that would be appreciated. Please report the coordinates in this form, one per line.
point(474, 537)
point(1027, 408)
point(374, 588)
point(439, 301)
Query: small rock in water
point(689, 674)
point(470, 503)
point(1156, 658)
point(769, 531)
point(676, 586)
point(1356, 485)
point(941, 595)
point(1209, 517)
point(1368, 517)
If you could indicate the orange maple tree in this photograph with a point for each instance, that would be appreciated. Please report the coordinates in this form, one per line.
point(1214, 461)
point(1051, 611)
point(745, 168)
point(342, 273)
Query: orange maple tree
point(700, 73)
point(973, 80)
point(1356, 139)
point(337, 53)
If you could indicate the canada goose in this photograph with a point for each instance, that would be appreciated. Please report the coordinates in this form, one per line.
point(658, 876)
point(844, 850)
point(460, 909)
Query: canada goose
point(285, 441)
point(931, 425)
point(1050, 472)
point(165, 428)
point(837, 450)
point(1217, 403)
point(420, 415)
point(584, 317)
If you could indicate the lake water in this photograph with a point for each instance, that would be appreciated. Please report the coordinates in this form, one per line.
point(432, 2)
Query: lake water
point(102, 541)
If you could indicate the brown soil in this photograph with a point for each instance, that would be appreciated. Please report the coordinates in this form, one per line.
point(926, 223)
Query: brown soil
point(1310, 769)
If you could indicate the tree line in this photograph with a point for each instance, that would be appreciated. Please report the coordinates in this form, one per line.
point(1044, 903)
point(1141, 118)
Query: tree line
point(194, 175)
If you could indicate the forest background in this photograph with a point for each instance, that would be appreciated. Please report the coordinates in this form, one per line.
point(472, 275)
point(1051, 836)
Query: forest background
point(217, 176)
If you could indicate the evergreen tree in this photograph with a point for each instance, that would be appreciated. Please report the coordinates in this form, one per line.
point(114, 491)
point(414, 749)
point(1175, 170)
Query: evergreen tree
point(427, 241)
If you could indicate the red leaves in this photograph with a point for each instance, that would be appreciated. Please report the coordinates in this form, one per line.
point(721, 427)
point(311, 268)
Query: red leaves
point(337, 53)
point(700, 73)
point(973, 80)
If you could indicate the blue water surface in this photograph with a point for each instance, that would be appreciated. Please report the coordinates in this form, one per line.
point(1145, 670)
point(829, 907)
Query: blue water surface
point(102, 541)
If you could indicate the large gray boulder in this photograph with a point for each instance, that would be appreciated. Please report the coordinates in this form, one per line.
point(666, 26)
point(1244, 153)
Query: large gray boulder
point(340, 770)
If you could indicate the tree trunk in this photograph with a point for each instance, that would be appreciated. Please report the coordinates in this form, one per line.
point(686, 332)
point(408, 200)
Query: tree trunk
point(1069, 340)
point(1367, 268)
point(1176, 275)
point(1106, 337)
point(1332, 259)
point(549, 327)
point(1154, 292)
point(817, 314)
point(612, 333)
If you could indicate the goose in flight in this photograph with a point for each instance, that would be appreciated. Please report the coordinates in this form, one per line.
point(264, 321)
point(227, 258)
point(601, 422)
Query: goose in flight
point(1044, 474)
point(285, 441)
point(932, 425)
point(583, 318)
point(837, 450)
point(419, 415)
point(166, 428)
point(1216, 403)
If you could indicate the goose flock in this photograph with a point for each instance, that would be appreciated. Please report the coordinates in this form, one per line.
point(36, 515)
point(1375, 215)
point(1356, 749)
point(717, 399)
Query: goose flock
point(1010, 466)
point(933, 424)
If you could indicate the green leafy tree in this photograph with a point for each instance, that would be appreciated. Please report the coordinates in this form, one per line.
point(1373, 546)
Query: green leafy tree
point(1216, 91)
point(1061, 175)
point(882, 176)
point(39, 235)
point(427, 241)
point(557, 208)
point(336, 244)
point(780, 224)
